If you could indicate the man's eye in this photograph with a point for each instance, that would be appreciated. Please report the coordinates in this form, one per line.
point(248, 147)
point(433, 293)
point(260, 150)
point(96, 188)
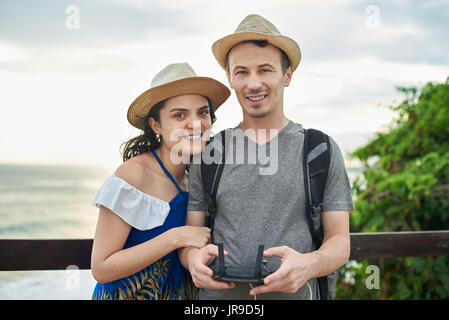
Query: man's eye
point(266, 70)
point(240, 72)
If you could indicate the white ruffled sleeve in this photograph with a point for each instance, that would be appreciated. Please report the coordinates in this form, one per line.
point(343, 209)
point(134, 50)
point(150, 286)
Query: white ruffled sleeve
point(138, 209)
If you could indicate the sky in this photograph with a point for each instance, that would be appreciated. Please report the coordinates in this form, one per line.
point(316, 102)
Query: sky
point(70, 69)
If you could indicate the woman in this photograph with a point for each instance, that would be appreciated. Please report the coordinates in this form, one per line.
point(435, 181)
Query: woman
point(142, 216)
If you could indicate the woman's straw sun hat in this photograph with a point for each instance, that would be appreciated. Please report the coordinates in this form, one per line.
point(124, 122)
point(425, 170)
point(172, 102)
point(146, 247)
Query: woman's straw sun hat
point(256, 27)
point(175, 80)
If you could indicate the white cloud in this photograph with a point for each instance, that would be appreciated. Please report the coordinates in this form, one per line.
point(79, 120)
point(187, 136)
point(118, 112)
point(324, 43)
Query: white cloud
point(64, 99)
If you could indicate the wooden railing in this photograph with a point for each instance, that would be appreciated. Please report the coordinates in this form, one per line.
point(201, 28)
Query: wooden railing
point(58, 254)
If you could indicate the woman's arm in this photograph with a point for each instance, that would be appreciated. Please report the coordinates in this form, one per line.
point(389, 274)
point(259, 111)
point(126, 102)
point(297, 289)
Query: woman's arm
point(110, 261)
point(193, 218)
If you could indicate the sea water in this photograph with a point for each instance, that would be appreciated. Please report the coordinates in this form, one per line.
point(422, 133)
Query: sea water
point(48, 202)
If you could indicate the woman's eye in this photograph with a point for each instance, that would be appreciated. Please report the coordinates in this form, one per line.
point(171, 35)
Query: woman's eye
point(205, 112)
point(179, 115)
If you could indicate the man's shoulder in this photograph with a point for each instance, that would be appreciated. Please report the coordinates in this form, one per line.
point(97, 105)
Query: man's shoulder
point(297, 128)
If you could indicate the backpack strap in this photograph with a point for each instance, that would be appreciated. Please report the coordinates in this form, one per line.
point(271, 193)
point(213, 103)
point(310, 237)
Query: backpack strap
point(211, 174)
point(316, 166)
point(221, 262)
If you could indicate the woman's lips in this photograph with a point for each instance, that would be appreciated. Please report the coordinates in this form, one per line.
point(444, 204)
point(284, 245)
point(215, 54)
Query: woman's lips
point(193, 137)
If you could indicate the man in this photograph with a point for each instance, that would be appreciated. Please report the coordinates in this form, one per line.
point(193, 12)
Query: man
point(268, 209)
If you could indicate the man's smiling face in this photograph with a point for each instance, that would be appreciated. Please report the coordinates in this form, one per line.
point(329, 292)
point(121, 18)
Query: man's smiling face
point(256, 75)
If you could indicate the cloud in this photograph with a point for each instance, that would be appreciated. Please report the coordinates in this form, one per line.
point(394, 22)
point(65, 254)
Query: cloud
point(59, 59)
point(114, 36)
point(43, 23)
point(71, 88)
point(396, 31)
point(405, 32)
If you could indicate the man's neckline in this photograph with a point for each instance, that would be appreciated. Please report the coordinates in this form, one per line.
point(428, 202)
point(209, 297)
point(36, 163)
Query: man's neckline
point(280, 133)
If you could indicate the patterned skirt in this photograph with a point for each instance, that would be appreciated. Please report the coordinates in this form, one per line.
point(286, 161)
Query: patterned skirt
point(159, 281)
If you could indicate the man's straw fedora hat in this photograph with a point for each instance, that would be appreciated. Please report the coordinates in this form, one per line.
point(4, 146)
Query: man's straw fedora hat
point(256, 27)
point(175, 80)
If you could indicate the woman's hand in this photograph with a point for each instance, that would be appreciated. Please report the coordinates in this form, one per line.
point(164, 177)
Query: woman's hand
point(190, 236)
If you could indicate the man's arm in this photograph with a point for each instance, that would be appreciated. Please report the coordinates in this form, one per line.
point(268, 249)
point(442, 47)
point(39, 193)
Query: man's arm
point(297, 268)
point(336, 247)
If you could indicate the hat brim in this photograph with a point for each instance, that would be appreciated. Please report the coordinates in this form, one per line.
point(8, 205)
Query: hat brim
point(222, 46)
point(207, 87)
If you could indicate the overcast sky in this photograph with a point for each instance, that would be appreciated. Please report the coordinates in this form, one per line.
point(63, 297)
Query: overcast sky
point(70, 69)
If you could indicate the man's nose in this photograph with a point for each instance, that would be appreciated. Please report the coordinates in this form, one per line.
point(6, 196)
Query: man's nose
point(254, 83)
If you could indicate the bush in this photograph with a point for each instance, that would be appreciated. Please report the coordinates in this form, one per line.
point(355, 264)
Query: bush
point(404, 187)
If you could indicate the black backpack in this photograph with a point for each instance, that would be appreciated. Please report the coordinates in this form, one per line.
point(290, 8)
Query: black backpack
point(315, 164)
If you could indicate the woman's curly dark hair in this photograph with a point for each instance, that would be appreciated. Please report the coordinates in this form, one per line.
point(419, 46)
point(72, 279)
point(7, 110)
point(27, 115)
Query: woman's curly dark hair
point(147, 141)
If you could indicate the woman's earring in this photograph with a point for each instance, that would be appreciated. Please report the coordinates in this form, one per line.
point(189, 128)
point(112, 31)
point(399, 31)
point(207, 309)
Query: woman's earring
point(158, 137)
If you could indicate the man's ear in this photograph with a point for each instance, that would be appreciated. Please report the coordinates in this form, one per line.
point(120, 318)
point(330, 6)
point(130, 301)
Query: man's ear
point(288, 76)
point(154, 125)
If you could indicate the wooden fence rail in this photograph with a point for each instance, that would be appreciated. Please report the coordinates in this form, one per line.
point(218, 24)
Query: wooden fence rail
point(58, 254)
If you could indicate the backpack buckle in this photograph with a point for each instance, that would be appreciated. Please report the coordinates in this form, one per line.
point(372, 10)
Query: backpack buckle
point(317, 209)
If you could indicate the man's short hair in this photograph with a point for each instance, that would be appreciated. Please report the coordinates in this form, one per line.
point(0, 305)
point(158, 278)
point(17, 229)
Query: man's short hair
point(285, 61)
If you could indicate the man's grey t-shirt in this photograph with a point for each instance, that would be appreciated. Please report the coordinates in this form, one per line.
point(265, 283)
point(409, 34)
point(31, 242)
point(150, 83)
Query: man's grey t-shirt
point(261, 200)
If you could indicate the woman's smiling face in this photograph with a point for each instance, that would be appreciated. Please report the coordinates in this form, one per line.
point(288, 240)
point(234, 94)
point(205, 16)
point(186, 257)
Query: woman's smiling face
point(184, 124)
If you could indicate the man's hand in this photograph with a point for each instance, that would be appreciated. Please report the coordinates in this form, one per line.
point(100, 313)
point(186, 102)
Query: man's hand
point(295, 270)
point(201, 273)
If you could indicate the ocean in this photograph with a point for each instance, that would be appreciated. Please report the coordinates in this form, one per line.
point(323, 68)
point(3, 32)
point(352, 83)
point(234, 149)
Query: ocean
point(48, 202)
point(51, 202)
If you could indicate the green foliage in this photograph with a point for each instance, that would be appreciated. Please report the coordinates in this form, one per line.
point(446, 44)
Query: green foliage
point(404, 187)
